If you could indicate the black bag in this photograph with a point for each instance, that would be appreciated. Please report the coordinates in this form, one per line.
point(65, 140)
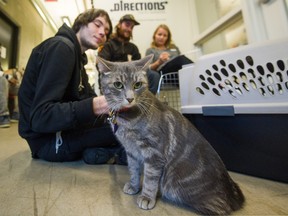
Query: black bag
point(174, 64)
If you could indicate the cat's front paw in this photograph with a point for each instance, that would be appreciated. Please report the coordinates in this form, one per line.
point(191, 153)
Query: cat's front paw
point(145, 202)
point(129, 189)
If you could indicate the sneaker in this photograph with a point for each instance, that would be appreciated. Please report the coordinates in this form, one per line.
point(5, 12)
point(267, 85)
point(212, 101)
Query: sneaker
point(14, 117)
point(4, 121)
point(114, 155)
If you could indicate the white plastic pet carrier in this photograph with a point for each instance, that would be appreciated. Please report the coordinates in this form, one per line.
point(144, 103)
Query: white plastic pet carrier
point(238, 100)
point(248, 79)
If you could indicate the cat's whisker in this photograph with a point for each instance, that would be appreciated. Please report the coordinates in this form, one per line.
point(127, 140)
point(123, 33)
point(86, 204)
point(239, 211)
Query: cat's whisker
point(113, 107)
point(97, 118)
point(147, 109)
point(149, 103)
point(101, 115)
point(143, 109)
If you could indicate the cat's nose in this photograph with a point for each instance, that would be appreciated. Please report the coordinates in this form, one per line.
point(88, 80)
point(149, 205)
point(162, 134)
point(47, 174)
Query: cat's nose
point(130, 100)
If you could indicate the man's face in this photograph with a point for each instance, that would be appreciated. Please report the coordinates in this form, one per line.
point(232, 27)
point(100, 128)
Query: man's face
point(94, 34)
point(126, 29)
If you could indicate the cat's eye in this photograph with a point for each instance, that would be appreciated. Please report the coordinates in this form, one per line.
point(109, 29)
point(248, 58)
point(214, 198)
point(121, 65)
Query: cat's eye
point(137, 85)
point(118, 85)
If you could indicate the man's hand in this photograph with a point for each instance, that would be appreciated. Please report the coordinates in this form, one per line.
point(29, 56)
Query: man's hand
point(100, 105)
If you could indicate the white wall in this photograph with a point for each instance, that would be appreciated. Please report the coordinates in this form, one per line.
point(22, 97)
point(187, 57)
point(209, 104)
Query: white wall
point(177, 14)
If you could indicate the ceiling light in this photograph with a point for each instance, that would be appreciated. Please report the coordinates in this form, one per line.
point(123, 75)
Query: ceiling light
point(4, 2)
point(66, 20)
point(52, 23)
point(44, 14)
point(40, 11)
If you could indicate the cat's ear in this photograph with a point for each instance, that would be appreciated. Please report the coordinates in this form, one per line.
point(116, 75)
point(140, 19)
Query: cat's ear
point(144, 62)
point(103, 65)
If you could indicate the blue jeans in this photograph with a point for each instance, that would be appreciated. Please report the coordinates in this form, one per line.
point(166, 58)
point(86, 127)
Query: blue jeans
point(8, 91)
point(71, 144)
point(153, 79)
point(4, 89)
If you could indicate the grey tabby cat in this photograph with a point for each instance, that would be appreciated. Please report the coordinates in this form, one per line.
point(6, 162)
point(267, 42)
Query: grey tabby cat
point(175, 157)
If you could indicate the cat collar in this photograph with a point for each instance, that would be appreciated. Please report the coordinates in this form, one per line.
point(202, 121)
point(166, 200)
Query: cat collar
point(112, 120)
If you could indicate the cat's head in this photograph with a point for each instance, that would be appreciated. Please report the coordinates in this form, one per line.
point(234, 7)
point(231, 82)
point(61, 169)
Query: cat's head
point(123, 83)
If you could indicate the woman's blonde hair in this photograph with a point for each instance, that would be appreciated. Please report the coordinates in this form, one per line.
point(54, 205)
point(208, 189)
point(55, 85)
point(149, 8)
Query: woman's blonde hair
point(169, 43)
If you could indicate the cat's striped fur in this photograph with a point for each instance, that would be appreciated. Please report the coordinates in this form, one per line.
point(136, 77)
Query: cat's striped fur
point(176, 158)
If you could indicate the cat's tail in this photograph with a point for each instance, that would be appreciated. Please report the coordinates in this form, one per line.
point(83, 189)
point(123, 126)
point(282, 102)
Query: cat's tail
point(236, 198)
point(233, 201)
point(221, 204)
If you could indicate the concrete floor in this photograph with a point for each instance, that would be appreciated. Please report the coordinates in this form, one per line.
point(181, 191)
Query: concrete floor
point(34, 187)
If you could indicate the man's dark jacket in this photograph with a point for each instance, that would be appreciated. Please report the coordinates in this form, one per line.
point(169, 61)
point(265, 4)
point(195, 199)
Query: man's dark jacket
point(49, 98)
point(116, 51)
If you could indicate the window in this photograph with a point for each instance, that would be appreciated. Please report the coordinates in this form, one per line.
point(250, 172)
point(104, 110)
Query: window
point(221, 25)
